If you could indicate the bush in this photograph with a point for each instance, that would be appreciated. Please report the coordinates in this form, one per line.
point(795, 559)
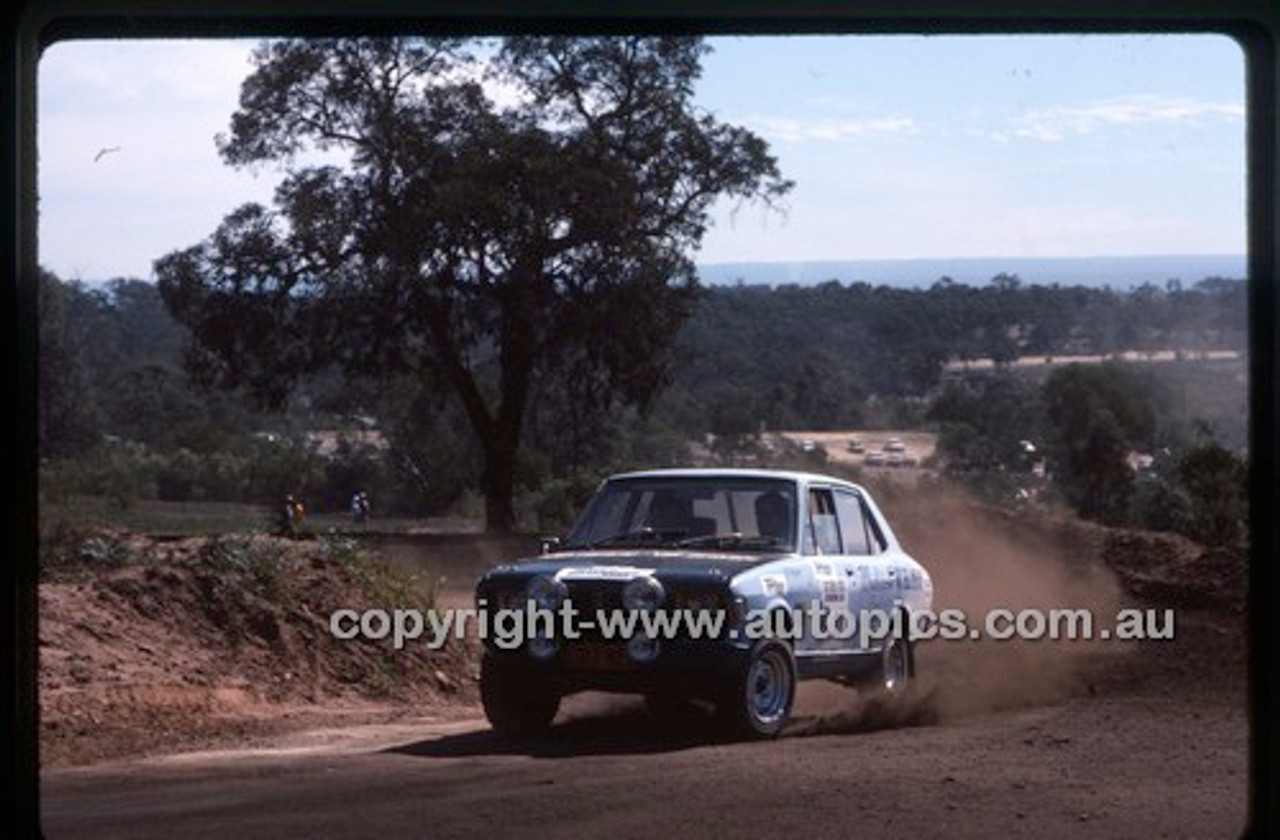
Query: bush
point(1216, 481)
point(1160, 505)
point(557, 505)
point(257, 562)
point(68, 553)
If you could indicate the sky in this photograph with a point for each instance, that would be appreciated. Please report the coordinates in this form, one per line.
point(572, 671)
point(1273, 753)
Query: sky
point(901, 147)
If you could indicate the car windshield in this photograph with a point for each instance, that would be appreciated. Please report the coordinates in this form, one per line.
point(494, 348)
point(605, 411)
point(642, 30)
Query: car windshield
point(729, 513)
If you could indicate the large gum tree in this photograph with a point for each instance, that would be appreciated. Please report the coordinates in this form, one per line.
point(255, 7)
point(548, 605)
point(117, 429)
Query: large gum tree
point(488, 226)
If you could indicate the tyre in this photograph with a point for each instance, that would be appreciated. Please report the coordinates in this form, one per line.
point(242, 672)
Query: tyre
point(896, 670)
point(516, 701)
point(758, 704)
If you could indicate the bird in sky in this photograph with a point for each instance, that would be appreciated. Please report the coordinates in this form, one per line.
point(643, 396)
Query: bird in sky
point(104, 152)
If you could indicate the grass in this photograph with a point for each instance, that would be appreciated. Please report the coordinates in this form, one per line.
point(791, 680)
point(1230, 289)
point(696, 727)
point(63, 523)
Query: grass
point(194, 519)
point(155, 518)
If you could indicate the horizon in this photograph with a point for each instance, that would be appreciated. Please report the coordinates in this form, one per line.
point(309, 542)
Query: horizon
point(1100, 271)
point(1106, 271)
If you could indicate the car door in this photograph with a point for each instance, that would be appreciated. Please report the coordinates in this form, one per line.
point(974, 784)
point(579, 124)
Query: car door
point(872, 584)
point(834, 628)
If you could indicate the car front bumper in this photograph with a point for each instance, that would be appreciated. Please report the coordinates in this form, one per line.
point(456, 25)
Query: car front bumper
point(693, 668)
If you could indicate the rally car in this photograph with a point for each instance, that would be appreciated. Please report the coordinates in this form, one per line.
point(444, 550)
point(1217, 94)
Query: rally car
point(735, 583)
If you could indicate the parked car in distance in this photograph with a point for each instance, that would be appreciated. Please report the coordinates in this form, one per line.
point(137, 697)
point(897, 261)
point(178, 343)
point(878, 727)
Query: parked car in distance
point(857, 445)
point(755, 556)
point(874, 459)
point(894, 444)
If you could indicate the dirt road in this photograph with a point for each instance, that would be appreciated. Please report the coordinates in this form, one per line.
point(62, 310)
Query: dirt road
point(1154, 746)
point(1040, 740)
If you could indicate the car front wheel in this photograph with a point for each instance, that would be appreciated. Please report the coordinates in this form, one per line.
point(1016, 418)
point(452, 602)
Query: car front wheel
point(516, 701)
point(758, 703)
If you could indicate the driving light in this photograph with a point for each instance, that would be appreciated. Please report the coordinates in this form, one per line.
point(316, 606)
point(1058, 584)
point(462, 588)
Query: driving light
point(642, 649)
point(546, 593)
point(642, 593)
point(542, 647)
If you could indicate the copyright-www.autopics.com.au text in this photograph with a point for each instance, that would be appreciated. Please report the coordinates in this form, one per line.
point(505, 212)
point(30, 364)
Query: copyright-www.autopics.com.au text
point(511, 627)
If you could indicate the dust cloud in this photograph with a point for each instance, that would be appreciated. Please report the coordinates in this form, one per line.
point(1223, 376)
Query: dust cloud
point(983, 559)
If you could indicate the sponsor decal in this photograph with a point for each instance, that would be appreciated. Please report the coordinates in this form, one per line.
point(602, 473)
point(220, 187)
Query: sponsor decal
point(602, 573)
point(834, 591)
point(774, 584)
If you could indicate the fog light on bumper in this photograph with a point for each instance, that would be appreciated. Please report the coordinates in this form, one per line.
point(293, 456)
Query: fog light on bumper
point(542, 647)
point(643, 649)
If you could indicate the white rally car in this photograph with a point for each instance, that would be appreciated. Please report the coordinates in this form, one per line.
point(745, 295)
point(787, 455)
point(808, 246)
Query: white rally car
point(789, 571)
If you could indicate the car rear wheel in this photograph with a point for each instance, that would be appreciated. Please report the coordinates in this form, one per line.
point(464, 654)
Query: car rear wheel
point(516, 700)
point(897, 667)
point(758, 704)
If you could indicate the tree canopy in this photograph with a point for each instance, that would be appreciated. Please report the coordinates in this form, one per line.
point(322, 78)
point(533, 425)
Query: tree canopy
point(501, 252)
point(1100, 415)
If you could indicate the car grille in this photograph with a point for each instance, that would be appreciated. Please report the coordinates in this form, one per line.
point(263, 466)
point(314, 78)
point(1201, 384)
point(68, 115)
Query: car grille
point(589, 596)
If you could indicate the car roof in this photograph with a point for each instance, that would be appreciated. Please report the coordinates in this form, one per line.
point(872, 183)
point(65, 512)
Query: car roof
point(801, 477)
point(736, 472)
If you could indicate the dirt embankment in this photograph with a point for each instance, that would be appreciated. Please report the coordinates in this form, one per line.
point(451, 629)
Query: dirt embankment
point(184, 643)
point(187, 644)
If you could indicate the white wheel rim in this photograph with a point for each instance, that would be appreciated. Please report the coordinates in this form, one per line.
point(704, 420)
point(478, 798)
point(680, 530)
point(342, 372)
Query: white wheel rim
point(769, 688)
point(895, 666)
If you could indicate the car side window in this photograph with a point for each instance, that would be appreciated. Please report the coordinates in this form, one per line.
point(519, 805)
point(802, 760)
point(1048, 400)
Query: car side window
point(822, 534)
point(855, 528)
point(874, 535)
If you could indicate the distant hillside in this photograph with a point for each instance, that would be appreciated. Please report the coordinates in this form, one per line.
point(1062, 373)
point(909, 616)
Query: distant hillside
point(1119, 273)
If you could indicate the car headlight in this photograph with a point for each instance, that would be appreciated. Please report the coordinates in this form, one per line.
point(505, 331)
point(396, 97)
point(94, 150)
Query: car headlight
point(546, 593)
point(502, 599)
point(643, 593)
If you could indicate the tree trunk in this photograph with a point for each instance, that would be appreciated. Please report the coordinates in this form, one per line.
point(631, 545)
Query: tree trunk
point(499, 434)
point(503, 441)
point(499, 487)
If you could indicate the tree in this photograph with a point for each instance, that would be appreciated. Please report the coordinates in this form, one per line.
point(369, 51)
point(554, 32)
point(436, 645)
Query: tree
point(985, 423)
point(1099, 413)
point(1216, 481)
point(151, 403)
point(135, 327)
point(731, 419)
point(68, 415)
point(491, 251)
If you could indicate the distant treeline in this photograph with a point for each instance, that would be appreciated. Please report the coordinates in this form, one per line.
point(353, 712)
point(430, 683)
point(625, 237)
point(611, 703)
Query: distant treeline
point(827, 356)
point(815, 356)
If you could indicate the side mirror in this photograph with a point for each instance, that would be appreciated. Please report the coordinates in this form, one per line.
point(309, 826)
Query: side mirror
point(550, 545)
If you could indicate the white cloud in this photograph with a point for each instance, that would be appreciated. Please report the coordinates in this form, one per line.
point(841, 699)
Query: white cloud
point(1059, 122)
point(791, 130)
